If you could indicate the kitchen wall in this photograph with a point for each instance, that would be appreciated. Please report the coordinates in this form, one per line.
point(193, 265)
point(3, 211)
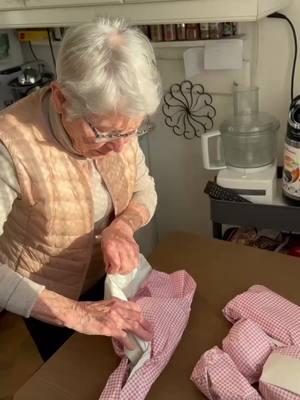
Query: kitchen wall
point(176, 162)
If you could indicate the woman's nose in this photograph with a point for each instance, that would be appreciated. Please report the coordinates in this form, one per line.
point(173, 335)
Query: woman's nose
point(118, 145)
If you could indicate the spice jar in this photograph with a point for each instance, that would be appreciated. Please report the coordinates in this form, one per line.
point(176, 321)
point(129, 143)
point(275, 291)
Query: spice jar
point(169, 32)
point(215, 30)
point(181, 31)
point(204, 31)
point(235, 28)
point(227, 29)
point(192, 32)
point(145, 30)
point(156, 33)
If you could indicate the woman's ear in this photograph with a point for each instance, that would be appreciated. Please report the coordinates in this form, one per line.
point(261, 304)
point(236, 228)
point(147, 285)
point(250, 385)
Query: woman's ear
point(58, 97)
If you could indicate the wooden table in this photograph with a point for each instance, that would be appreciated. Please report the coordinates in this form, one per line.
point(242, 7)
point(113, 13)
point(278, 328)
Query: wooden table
point(79, 370)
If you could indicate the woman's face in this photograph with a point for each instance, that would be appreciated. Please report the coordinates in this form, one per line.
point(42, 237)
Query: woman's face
point(83, 132)
point(84, 137)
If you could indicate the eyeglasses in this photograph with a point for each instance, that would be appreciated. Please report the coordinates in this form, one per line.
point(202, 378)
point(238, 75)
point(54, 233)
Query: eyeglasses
point(104, 137)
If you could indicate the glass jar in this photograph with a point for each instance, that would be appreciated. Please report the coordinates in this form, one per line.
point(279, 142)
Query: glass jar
point(156, 33)
point(215, 30)
point(192, 32)
point(204, 31)
point(235, 28)
point(227, 29)
point(181, 31)
point(145, 29)
point(170, 32)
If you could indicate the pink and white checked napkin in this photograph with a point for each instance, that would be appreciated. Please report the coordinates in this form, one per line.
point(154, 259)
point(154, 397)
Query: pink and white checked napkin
point(217, 377)
point(166, 302)
point(286, 379)
point(249, 347)
point(278, 317)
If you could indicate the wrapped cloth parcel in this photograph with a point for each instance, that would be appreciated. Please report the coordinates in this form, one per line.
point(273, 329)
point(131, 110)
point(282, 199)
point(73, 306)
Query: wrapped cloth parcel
point(165, 301)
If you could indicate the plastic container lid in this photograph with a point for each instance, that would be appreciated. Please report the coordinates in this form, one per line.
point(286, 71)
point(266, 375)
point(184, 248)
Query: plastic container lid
point(250, 124)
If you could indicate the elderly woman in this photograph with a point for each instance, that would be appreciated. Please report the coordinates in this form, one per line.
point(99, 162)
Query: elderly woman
point(74, 186)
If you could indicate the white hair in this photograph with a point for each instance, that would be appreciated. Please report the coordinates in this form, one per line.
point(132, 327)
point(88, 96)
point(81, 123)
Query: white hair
point(106, 66)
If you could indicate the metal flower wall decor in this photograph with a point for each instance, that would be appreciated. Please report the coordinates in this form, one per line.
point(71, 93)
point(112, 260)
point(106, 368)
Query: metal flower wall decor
point(188, 109)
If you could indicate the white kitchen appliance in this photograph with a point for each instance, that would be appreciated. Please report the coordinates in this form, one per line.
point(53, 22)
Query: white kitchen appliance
point(245, 149)
point(255, 184)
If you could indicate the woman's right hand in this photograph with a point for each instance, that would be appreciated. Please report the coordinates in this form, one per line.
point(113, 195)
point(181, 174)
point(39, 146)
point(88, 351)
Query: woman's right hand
point(113, 317)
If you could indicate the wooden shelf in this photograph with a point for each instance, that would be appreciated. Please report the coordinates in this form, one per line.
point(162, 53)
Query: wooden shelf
point(191, 43)
point(160, 45)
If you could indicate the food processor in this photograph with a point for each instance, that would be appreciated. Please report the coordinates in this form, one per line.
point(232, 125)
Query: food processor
point(246, 147)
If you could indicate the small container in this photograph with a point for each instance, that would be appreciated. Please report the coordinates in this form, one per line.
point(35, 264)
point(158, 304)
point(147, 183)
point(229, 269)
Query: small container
point(204, 31)
point(181, 31)
point(235, 28)
point(145, 29)
point(215, 30)
point(227, 29)
point(169, 32)
point(192, 32)
point(156, 33)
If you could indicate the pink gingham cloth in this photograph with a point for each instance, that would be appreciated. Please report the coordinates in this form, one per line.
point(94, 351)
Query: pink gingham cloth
point(272, 392)
point(166, 303)
point(249, 347)
point(217, 377)
point(278, 317)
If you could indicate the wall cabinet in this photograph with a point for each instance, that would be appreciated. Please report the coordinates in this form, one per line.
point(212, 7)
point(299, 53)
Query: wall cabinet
point(40, 13)
point(67, 3)
point(12, 4)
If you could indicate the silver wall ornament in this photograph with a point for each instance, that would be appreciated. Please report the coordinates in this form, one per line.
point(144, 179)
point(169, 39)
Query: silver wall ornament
point(188, 109)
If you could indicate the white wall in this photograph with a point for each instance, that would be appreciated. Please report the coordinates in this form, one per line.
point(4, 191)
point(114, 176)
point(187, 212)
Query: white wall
point(176, 163)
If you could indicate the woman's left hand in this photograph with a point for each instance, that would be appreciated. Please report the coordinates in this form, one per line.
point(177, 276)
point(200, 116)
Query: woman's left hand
point(120, 250)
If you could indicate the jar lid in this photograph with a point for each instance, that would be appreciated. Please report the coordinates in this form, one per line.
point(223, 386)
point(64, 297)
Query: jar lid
point(250, 123)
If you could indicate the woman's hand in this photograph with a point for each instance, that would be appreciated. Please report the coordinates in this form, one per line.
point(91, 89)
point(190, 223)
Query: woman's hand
point(113, 317)
point(120, 250)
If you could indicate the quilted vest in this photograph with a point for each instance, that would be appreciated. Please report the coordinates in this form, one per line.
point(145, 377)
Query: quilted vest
point(49, 234)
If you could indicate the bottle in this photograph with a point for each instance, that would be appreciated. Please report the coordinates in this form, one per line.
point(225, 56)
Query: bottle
point(291, 158)
point(227, 29)
point(215, 30)
point(192, 32)
point(156, 33)
point(145, 30)
point(169, 32)
point(181, 31)
point(204, 31)
point(235, 28)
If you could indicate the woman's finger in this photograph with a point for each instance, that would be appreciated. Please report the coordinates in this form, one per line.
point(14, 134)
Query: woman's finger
point(128, 343)
point(137, 329)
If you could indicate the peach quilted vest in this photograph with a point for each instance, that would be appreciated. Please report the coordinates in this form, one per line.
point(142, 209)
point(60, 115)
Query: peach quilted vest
point(49, 234)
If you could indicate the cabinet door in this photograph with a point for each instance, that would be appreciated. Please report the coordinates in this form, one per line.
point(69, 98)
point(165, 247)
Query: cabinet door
point(67, 3)
point(11, 4)
point(147, 1)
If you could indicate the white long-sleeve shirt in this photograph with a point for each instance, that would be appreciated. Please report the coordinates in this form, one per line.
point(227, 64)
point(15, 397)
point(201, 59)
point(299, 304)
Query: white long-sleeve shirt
point(18, 294)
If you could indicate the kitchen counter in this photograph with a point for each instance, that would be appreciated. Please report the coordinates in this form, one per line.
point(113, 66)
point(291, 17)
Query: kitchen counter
point(79, 370)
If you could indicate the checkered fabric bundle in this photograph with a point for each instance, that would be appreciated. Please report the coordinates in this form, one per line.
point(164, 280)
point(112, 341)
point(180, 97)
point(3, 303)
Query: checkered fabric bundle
point(272, 392)
point(217, 377)
point(249, 347)
point(166, 302)
point(278, 317)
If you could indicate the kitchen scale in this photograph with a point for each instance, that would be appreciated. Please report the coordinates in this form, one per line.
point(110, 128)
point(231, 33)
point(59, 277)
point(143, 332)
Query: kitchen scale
point(246, 148)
